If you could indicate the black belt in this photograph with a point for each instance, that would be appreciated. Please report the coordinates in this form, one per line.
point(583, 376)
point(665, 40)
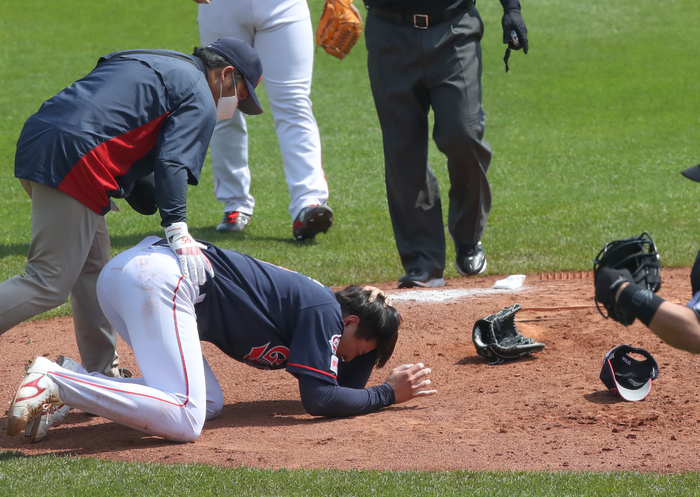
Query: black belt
point(420, 21)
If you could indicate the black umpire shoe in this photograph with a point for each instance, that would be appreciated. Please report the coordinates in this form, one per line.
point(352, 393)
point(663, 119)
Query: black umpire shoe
point(419, 277)
point(471, 259)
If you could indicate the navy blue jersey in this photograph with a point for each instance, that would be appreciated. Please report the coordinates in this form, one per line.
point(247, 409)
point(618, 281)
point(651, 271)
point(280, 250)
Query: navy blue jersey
point(133, 115)
point(270, 317)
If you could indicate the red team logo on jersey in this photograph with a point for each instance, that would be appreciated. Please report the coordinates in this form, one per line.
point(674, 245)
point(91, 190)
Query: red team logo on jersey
point(264, 358)
point(334, 341)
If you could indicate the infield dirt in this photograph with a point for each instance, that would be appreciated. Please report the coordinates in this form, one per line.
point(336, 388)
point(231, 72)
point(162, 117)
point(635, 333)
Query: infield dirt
point(549, 411)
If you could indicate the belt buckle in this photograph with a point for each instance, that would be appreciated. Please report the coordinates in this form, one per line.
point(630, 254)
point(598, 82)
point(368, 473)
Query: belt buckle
point(423, 18)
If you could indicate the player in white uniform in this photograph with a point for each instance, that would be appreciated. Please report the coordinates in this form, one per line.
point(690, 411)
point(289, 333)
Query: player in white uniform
point(282, 34)
point(255, 312)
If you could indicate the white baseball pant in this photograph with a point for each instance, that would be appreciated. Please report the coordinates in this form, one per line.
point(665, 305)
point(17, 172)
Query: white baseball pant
point(282, 34)
point(151, 305)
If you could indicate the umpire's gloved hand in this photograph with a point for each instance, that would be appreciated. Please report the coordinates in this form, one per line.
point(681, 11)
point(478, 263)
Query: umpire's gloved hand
point(607, 283)
point(513, 24)
point(194, 264)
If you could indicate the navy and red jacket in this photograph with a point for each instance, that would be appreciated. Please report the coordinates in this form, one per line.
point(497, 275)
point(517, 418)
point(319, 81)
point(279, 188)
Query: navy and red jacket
point(138, 112)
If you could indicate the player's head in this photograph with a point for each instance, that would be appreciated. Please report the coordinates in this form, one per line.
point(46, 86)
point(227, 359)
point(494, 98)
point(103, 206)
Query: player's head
point(378, 321)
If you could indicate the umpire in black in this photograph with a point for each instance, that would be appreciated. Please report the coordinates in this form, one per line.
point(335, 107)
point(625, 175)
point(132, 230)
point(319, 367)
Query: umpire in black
point(423, 54)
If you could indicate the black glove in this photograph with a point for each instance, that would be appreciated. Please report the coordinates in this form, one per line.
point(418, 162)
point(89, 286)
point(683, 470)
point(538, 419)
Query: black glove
point(496, 337)
point(143, 196)
point(513, 24)
point(607, 283)
point(695, 275)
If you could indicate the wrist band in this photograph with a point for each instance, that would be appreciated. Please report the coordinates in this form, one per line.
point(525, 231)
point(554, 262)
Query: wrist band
point(639, 301)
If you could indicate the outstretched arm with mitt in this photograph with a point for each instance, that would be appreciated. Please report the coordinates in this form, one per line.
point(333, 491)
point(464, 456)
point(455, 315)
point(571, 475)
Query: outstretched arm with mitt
point(626, 279)
point(677, 325)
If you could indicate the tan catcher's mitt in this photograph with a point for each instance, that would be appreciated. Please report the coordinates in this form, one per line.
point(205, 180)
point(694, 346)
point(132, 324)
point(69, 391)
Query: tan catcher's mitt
point(339, 28)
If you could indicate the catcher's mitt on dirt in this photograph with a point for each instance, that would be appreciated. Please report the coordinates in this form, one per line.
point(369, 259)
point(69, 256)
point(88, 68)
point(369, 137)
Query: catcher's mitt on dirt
point(339, 28)
point(496, 337)
point(631, 259)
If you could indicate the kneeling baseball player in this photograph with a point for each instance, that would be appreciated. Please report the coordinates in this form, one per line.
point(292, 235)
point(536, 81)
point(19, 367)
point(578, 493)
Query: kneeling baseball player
point(264, 315)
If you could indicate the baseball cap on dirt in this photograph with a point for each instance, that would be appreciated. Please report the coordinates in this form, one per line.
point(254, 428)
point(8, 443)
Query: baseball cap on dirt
point(692, 173)
point(244, 58)
point(626, 376)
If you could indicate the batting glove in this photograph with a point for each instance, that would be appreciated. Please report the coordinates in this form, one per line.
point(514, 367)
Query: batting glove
point(194, 264)
point(514, 31)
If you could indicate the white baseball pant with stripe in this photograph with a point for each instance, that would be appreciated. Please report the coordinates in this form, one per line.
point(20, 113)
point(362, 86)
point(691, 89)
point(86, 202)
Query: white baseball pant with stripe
point(282, 34)
point(151, 305)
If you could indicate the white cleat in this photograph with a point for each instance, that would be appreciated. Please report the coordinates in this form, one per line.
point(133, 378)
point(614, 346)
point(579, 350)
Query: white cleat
point(37, 428)
point(36, 393)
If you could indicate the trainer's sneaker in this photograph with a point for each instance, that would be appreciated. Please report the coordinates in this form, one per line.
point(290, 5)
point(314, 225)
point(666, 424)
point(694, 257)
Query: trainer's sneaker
point(35, 394)
point(471, 259)
point(233, 222)
point(312, 220)
point(419, 277)
point(37, 428)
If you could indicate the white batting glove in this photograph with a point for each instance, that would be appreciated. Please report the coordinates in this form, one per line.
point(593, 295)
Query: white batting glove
point(194, 264)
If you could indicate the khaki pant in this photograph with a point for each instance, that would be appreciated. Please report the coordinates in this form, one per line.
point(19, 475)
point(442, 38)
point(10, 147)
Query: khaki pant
point(69, 248)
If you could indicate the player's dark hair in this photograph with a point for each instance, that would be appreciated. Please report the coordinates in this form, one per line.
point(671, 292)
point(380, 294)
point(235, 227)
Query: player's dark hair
point(213, 60)
point(378, 321)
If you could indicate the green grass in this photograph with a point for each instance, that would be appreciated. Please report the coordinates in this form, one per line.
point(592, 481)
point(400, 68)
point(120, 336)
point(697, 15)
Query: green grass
point(53, 475)
point(589, 132)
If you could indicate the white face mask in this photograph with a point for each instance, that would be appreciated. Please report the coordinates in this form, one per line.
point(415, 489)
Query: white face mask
point(226, 105)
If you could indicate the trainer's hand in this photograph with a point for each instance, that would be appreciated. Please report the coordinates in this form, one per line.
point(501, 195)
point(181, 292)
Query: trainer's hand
point(513, 22)
point(608, 282)
point(194, 264)
point(408, 380)
point(375, 292)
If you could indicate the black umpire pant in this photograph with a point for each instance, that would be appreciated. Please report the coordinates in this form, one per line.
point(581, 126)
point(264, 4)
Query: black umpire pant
point(412, 70)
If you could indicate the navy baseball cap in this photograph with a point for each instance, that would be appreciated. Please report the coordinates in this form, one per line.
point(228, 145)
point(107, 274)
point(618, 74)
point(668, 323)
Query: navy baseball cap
point(626, 376)
point(692, 173)
point(244, 58)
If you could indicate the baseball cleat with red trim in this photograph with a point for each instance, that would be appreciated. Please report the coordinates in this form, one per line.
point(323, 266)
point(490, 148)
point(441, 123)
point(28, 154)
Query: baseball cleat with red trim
point(233, 222)
point(36, 393)
point(37, 428)
point(312, 220)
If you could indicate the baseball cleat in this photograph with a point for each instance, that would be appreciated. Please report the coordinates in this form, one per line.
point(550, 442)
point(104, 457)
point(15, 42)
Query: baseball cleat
point(233, 222)
point(36, 393)
point(419, 277)
point(37, 428)
point(312, 220)
point(471, 260)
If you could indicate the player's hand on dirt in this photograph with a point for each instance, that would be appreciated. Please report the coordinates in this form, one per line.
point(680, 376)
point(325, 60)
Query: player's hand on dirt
point(375, 292)
point(608, 282)
point(194, 264)
point(409, 382)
